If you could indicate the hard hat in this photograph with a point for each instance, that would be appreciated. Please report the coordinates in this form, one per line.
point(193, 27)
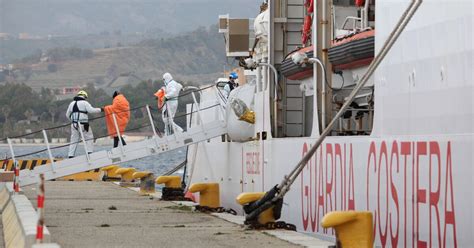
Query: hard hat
point(233, 75)
point(82, 93)
point(167, 77)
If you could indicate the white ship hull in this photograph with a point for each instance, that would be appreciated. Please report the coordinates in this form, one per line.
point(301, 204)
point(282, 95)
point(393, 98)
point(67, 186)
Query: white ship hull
point(414, 172)
point(417, 187)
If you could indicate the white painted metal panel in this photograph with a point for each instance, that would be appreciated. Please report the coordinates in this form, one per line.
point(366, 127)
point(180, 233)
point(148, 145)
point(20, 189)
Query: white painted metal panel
point(295, 11)
point(294, 104)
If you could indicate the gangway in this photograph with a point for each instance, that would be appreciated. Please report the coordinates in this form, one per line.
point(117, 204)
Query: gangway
point(155, 145)
point(133, 151)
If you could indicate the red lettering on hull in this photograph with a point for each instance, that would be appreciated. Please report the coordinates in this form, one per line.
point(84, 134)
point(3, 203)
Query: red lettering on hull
point(406, 206)
point(320, 182)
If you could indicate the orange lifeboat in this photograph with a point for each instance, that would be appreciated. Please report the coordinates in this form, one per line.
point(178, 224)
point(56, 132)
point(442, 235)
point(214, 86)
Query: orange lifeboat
point(352, 51)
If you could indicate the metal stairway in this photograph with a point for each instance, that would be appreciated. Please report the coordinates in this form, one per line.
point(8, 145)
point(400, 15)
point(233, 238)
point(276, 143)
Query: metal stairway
point(133, 151)
point(288, 19)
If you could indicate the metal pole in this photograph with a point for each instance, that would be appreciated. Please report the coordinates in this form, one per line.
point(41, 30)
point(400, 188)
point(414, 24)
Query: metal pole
point(221, 103)
point(264, 76)
point(118, 134)
point(259, 79)
point(198, 112)
point(11, 149)
point(324, 23)
point(284, 186)
point(365, 16)
point(314, 41)
point(16, 170)
point(152, 126)
point(151, 120)
point(40, 203)
point(46, 141)
point(198, 108)
point(275, 106)
point(79, 126)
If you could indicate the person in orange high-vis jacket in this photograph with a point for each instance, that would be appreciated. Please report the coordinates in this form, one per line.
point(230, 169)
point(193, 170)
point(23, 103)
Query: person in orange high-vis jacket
point(121, 108)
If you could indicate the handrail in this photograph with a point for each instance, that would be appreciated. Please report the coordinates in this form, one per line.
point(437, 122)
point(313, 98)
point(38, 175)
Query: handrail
point(351, 18)
point(151, 120)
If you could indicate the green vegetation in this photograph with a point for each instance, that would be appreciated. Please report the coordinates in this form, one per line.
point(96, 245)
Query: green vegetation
point(61, 54)
point(24, 109)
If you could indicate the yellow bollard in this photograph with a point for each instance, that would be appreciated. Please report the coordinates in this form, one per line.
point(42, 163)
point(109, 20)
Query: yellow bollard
point(169, 181)
point(246, 198)
point(353, 228)
point(126, 174)
point(209, 195)
point(173, 190)
point(147, 182)
point(110, 172)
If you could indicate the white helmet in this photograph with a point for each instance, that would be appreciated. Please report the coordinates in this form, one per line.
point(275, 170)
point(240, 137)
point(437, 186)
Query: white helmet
point(167, 78)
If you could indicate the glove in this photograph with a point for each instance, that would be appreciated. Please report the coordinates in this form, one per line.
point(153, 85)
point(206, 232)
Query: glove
point(102, 109)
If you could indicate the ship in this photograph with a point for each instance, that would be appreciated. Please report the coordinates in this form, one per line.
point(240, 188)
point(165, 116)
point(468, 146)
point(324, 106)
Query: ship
point(341, 106)
point(401, 150)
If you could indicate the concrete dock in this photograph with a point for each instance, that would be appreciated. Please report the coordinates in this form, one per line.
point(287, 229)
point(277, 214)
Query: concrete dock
point(102, 214)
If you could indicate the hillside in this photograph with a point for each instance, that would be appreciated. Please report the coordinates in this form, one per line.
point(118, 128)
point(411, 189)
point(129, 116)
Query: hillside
point(11, 51)
point(197, 56)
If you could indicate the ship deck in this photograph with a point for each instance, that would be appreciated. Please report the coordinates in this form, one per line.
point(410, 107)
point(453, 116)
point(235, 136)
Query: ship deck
point(102, 214)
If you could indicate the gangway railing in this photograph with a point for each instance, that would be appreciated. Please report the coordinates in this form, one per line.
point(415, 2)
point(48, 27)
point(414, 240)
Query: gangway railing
point(156, 144)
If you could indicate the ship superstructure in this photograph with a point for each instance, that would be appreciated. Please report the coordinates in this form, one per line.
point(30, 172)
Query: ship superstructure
point(402, 151)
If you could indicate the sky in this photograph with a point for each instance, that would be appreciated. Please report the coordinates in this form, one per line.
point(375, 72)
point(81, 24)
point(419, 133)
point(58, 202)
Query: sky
point(78, 17)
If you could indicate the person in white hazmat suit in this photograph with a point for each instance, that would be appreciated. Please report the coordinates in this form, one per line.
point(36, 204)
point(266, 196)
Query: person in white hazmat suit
point(172, 89)
point(77, 113)
point(260, 46)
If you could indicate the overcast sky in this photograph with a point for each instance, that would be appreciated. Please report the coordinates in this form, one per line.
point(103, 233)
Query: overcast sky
point(70, 17)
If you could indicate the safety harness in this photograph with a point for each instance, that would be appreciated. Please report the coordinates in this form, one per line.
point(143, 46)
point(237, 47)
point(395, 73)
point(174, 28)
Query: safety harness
point(232, 85)
point(75, 121)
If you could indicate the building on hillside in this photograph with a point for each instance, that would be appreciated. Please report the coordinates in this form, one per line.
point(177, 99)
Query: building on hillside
point(70, 90)
point(67, 92)
point(27, 36)
point(6, 36)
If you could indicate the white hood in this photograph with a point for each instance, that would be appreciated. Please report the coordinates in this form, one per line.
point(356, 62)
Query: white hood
point(167, 78)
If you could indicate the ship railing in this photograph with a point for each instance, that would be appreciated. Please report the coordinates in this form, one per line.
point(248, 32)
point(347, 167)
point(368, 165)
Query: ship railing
point(220, 93)
point(355, 21)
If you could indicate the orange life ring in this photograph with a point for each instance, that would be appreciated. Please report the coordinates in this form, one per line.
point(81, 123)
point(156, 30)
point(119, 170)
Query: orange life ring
point(359, 3)
point(308, 21)
point(310, 5)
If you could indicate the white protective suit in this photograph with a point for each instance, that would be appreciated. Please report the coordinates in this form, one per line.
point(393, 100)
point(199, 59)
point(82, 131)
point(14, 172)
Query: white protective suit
point(171, 104)
point(79, 119)
point(261, 33)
